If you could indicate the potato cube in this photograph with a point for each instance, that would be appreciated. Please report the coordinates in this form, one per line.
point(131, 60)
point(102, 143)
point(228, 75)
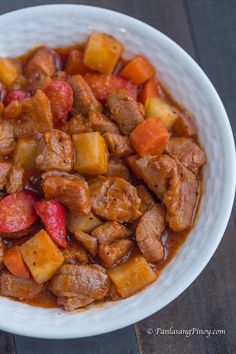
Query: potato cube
point(132, 276)
point(102, 52)
point(85, 223)
point(157, 107)
point(91, 156)
point(41, 256)
point(25, 153)
point(8, 71)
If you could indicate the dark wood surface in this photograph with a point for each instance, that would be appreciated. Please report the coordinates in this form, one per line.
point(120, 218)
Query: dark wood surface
point(206, 29)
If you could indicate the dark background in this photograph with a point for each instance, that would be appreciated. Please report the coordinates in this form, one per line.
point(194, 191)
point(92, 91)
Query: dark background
point(206, 29)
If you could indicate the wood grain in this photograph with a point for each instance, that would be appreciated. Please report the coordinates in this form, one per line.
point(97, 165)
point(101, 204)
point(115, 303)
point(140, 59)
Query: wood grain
point(206, 29)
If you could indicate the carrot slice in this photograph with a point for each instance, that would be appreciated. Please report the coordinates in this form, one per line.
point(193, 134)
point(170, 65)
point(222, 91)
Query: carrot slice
point(14, 262)
point(138, 70)
point(151, 88)
point(150, 137)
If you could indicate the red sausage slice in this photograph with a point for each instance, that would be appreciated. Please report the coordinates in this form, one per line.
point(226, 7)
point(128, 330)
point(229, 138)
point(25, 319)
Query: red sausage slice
point(17, 212)
point(53, 216)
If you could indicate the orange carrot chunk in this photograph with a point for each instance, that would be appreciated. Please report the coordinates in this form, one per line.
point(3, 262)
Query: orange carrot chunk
point(151, 88)
point(138, 70)
point(150, 137)
point(14, 262)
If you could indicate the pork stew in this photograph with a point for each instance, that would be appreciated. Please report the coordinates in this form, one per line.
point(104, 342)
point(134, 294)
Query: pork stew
point(100, 175)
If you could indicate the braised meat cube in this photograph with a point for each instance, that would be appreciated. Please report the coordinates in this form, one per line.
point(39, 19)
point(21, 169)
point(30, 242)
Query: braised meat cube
point(147, 200)
point(42, 62)
point(187, 152)
point(7, 141)
point(18, 287)
point(149, 232)
point(175, 185)
point(110, 231)
point(75, 253)
point(114, 253)
point(125, 111)
point(184, 126)
point(16, 180)
point(76, 281)
point(117, 168)
point(100, 123)
point(113, 243)
point(89, 242)
point(35, 116)
point(74, 302)
point(118, 145)
point(55, 152)
point(77, 125)
point(84, 100)
point(115, 199)
point(69, 190)
point(5, 170)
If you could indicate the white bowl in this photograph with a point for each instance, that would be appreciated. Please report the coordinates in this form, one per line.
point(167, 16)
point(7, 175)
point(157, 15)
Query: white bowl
point(61, 25)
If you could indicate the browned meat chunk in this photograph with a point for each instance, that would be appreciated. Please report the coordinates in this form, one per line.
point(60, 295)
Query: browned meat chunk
point(7, 141)
point(12, 110)
point(181, 198)
point(187, 152)
point(125, 111)
point(77, 124)
point(131, 162)
point(55, 152)
point(42, 62)
point(118, 145)
point(117, 168)
point(2, 248)
point(39, 83)
point(16, 180)
point(90, 243)
point(84, 100)
point(184, 126)
point(73, 303)
point(75, 253)
point(114, 253)
point(5, 169)
point(19, 287)
point(147, 200)
point(110, 231)
point(175, 185)
point(70, 190)
point(100, 123)
point(156, 172)
point(36, 116)
point(80, 281)
point(149, 231)
point(113, 198)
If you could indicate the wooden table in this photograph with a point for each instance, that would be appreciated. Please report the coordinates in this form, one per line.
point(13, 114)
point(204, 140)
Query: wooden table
point(206, 29)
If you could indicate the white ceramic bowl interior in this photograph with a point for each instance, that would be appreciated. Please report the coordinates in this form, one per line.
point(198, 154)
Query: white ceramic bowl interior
point(62, 25)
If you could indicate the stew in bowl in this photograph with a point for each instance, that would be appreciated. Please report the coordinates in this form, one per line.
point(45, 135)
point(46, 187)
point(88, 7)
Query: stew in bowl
point(100, 174)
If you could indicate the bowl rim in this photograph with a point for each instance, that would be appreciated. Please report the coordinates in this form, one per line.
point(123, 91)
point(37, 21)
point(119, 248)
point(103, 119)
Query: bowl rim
point(225, 215)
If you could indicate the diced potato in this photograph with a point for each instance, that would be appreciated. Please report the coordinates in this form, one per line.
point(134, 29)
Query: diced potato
point(132, 276)
point(25, 153)
point(8, 71)
point(102, 52)
point(91, 156)
point(41, 256)
point(157, 107)
point(85, 223)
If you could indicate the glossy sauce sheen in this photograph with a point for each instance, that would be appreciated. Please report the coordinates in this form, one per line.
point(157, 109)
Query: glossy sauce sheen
point(172, 241)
